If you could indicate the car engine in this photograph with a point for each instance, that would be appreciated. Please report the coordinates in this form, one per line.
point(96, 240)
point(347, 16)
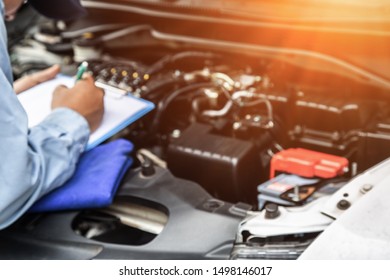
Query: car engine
point(258, 137)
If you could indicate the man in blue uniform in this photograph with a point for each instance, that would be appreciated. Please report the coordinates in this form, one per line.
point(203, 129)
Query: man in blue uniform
point(37, 160)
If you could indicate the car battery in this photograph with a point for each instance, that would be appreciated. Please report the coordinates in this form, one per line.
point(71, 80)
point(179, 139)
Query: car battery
point(307, 163)
point(287, 190)
point(227, 168)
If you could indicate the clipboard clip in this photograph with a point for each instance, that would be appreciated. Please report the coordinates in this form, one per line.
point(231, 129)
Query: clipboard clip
point(111, 91)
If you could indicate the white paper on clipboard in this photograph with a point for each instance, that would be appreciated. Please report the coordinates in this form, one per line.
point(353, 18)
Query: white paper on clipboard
point(118, 112)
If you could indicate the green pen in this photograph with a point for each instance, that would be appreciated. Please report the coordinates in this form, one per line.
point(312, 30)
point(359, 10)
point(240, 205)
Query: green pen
point(81, 70)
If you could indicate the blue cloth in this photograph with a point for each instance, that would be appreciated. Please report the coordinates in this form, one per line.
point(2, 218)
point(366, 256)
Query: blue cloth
point(95, 181)
point(37, 160)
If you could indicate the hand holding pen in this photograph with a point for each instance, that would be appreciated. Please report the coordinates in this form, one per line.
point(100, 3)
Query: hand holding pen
point(84, 97)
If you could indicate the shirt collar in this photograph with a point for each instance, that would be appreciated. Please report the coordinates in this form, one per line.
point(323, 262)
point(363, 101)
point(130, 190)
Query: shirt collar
point(2, 8)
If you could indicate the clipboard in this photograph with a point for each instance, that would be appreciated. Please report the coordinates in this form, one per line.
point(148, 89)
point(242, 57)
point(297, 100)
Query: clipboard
point(119, 110)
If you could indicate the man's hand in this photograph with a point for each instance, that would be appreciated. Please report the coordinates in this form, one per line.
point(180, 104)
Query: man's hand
point(34, 79)
point(84, 98)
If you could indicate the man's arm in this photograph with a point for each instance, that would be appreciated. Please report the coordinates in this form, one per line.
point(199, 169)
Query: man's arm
point(35, 161)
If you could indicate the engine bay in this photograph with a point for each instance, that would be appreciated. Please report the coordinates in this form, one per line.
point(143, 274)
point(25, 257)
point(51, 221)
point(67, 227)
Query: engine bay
point(270, 133)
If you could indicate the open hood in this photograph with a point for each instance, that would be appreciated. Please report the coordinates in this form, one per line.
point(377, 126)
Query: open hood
point(356, 32)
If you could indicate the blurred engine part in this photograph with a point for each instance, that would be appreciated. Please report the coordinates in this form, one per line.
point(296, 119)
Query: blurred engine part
point(287, 190)
point(374, 145)
point(292, 190)
point(333, 123)
point(280, 232)
point(225, 167)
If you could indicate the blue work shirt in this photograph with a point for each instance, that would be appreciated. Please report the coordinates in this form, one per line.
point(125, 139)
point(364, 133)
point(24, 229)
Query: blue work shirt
point(37, 160)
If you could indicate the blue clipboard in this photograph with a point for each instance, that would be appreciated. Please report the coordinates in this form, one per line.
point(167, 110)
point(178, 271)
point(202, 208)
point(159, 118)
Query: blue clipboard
point(119, 113)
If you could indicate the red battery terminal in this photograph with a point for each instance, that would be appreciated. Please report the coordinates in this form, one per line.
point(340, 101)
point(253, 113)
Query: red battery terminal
point(307, 163)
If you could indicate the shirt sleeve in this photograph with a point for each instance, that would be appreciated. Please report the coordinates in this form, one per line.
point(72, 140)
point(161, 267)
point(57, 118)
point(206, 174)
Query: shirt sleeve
point(37, 160)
